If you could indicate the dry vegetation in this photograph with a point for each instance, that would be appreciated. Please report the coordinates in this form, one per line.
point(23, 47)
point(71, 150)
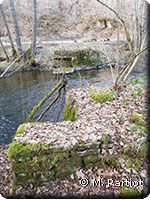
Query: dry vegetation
point(68, 20)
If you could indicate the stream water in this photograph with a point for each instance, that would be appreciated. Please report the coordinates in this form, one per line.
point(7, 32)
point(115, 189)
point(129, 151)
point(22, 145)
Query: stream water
point(20, 92)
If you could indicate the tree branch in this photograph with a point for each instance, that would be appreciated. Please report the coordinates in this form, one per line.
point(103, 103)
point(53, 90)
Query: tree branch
point(62, 82)
point(73, 5)
point(123, 24)
point(128, 64)
point(50, 105)
point(12, 64)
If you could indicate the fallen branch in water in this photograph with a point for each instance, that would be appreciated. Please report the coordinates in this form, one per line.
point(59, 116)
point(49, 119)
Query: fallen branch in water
point(62, 105)
point(50, 105)
point(60, 84)
point(16, 69)
point(12, 64)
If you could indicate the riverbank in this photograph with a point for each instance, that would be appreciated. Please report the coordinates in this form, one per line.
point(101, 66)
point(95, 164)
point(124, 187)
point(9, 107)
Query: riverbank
point(46, 53)
point(115, 119)
point(74, 55)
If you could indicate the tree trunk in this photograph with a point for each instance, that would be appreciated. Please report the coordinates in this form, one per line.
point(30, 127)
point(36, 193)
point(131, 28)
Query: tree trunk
point(136, 23)
point(34, 31)
point(15, 22)
point(117, 44)
point(8, 31)
point(141, 21)
point(4, 50)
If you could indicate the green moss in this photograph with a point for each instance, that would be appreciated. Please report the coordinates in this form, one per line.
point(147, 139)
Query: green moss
point(20, 129)
point(61, 82)
point(40, 163)
point(91, 161)
point(16, 148)
point(143, 76)
point(81, 142)
point(32, 61)
point(101, 20)
point(127, 150)
point(105, 139)
point(129, 164)
point(13, 188)
point(70, 111)
point(102, 97)
point(27, 159)
point(5, 181)
point(77, 57)
point(138, 163)
point(137, 119)
point(113, 162)
point(136, 81)
point(81, 145)
point(140, 130)
point(129, 192)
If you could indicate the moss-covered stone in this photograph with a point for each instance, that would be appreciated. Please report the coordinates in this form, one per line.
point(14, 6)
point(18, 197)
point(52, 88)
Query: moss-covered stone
point(20, 129)
point(137, 119)
point(102, 97)
point(36, 163)
point(129, 193)
point(70, 111)
point(113, 161)
point(67, 59)
point(39, 163)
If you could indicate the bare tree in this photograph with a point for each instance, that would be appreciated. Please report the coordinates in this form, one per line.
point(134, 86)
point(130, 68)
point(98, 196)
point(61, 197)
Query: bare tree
point(123, 24)
point(16, 26)
point(5, 52)
point(139, 10)
point(34, 32)
point(141, 42)
point(8, 31)
point(136, 24)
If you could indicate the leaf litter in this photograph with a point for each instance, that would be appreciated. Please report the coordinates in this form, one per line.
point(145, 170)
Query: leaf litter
point(112, 118)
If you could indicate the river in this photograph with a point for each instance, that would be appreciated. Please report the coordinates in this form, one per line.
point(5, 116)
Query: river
point(20, 92)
